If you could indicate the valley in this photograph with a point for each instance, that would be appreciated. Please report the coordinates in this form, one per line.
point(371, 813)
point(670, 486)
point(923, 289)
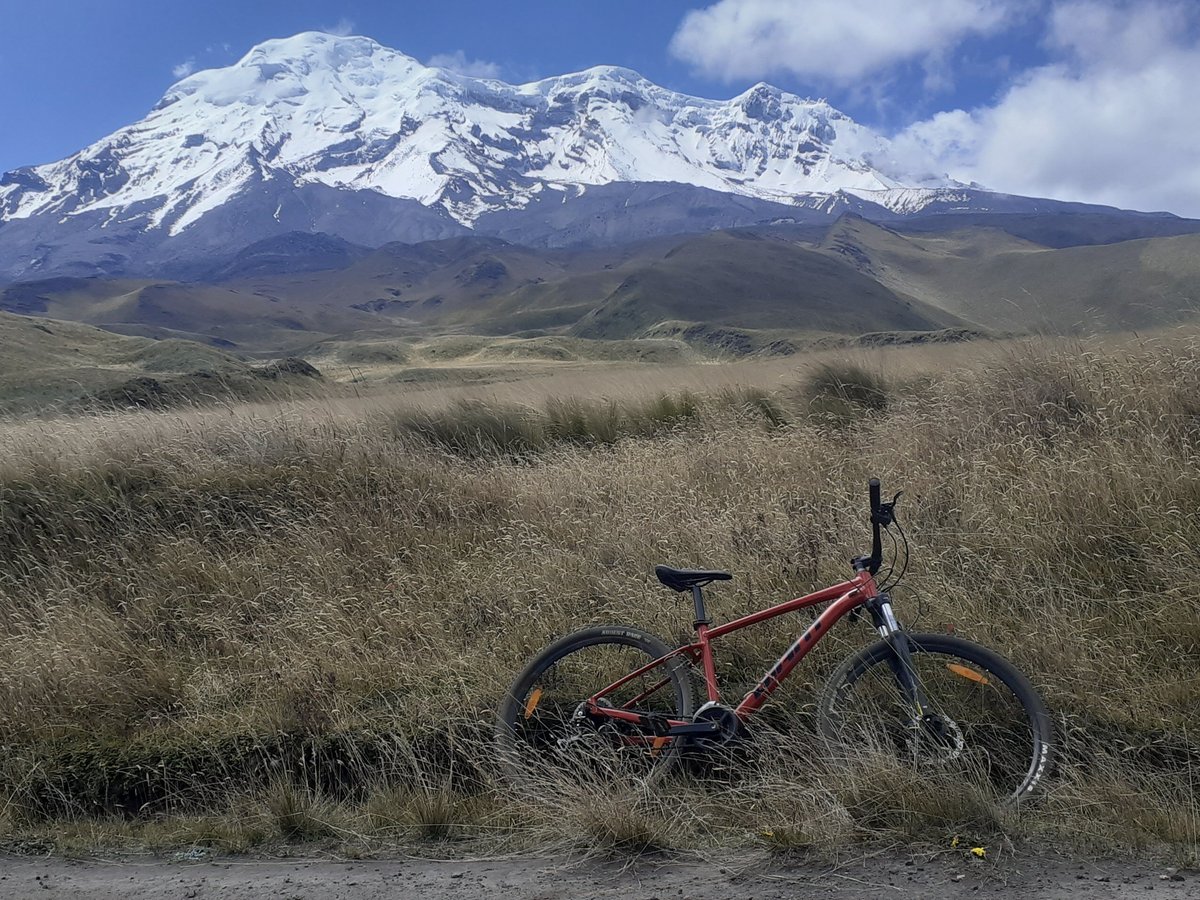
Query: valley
point(479, 309)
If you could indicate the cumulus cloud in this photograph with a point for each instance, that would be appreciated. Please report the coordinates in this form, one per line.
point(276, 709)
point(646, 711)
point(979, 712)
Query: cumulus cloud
point(184, 69)
point(831, 40)
point(458, 62)
point(1111, 120)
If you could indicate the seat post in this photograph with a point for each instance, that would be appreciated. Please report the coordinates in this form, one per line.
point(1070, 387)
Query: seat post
point(698, 600)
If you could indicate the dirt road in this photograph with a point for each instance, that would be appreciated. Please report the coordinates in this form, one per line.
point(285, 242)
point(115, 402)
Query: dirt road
point(760, 878)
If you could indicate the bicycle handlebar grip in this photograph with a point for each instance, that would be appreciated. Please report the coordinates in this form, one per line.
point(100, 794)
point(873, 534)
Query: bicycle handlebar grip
point(875, 499)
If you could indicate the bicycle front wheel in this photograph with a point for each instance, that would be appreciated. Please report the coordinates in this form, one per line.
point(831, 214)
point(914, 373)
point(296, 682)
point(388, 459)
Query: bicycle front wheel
point(982, 721)
point(545, 735)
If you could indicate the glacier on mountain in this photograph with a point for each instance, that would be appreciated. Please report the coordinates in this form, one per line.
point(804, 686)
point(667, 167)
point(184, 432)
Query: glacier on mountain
point(350, 114)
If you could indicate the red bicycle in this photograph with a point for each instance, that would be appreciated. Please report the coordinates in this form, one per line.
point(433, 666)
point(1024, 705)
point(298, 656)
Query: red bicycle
point(615, 699)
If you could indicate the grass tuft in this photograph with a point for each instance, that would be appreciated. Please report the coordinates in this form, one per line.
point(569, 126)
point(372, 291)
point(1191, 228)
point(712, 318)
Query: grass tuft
point(297, 813)
point(843, 392)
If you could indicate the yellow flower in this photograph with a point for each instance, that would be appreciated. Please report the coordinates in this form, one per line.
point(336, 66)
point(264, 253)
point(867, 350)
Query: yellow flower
point(979, 851)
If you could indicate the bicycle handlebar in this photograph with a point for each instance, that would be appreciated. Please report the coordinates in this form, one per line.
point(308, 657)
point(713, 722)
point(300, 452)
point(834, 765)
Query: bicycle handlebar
point(876, 559)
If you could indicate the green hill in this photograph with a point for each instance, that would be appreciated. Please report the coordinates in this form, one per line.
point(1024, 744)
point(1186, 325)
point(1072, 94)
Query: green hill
point(215, 314)
point(52, 363)
point(992, 279)
point(742, 290)
point(749, 281)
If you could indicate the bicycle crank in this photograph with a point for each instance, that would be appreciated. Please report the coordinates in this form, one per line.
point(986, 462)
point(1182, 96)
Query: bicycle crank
point(725, 724)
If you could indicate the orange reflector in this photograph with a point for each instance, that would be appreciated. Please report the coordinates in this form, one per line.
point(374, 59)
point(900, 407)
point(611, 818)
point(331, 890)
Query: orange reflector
point(656, 747)
point(532, 702)
point(966, 672)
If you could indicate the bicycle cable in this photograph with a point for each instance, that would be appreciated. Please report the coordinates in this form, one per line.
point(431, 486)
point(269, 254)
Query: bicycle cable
point(888, 583)
point(891, 560)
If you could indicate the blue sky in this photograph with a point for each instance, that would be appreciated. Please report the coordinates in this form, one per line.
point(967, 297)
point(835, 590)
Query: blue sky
point(1075, 98)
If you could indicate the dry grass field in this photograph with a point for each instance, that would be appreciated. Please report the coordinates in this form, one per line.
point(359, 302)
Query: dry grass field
point(242, 625)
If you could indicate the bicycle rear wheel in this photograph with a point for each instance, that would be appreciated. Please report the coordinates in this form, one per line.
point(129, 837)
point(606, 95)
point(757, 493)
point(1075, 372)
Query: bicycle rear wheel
point(544, 734)
point(983, 722)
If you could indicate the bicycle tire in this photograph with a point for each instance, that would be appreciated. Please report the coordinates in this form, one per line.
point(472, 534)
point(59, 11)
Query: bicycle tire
point(1029, 778)
point(520, 756)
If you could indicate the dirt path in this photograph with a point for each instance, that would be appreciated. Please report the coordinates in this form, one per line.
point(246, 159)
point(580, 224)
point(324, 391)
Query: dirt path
point(949, 876)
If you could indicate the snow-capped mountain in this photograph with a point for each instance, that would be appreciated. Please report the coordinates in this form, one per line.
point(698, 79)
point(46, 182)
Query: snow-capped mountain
point(340, 134)
point(347, 112)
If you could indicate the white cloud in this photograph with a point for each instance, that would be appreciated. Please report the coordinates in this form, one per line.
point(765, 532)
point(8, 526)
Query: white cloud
point(1113, 120)
point(458, 62)
point(1122, 35)
point(343, 28)
point(184, 69)
point(831, 40)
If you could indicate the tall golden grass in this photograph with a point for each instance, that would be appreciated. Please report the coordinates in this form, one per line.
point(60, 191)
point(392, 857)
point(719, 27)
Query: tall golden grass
point(243, 623)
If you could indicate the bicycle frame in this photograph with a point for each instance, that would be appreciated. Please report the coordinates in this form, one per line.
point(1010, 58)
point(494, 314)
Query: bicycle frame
point(842, 598)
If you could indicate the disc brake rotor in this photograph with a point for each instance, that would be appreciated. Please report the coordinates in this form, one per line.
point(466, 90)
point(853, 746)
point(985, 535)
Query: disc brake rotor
point(937, 738)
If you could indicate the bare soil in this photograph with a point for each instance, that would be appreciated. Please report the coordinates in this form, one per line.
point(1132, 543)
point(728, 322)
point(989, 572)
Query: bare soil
point(950, 875)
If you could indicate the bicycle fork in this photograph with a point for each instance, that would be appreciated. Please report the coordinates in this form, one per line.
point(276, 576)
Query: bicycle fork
point(901, 662)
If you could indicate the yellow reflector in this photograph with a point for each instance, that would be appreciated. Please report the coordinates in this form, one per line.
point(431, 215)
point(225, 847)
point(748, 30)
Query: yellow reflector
point(532, 702)
point(966, 672)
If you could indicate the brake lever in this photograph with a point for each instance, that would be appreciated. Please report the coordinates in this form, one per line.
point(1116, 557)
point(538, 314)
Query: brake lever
point(886, 514)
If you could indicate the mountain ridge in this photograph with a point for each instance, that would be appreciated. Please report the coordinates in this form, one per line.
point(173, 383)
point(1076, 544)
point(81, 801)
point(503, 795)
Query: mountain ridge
point(344, 136)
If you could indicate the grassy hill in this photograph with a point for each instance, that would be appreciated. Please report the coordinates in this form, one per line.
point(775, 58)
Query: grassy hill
point(487, 286)
point(222, 316)
point(51, 363)
point(744, 279)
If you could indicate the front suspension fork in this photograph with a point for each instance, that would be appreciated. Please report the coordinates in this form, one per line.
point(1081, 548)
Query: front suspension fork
point(901, 659)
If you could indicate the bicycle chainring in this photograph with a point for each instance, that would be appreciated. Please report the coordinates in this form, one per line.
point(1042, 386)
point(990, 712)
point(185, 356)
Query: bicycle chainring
point(730, 726)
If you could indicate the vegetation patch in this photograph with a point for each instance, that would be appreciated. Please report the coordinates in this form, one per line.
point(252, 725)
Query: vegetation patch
point(476, 428)
point(844, 392)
